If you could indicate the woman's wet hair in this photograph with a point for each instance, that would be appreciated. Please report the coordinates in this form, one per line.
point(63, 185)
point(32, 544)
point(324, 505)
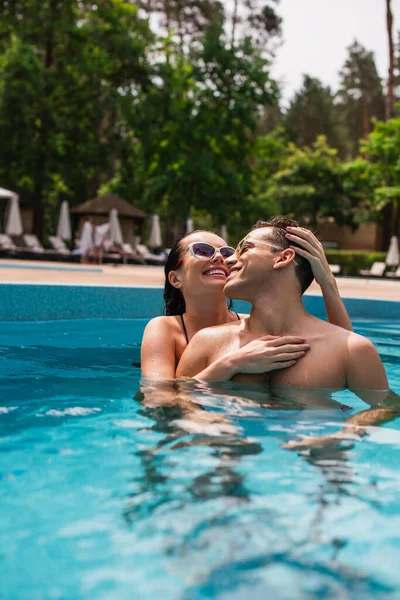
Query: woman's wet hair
point(173, 297)
point(278, 227)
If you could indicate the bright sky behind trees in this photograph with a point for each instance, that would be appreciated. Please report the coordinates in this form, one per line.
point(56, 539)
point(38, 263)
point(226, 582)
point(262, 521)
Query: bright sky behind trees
point(316, 34)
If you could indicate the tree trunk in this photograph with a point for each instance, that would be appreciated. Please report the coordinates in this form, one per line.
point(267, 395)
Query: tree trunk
point(395, 222)
point(390, 81)
point(42, 155)
point(234, 22)
point(167, 15)
point(365, 115)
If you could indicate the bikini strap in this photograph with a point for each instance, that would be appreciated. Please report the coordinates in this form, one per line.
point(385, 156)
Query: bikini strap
point(237, 316)
point(184, 329)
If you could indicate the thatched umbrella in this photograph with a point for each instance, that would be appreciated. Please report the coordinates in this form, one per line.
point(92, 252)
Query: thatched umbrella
point(130, 217)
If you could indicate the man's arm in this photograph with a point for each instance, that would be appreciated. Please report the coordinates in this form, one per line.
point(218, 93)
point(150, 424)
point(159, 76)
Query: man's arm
point(366, 377)
point(365, 373)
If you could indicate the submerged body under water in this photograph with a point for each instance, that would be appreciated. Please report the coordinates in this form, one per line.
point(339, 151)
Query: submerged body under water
point(112, 490)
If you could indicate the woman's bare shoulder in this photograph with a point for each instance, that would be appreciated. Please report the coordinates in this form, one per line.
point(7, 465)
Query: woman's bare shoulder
point(163, 324)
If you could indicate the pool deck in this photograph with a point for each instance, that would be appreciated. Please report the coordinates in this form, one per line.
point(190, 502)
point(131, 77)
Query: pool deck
point(41, 272)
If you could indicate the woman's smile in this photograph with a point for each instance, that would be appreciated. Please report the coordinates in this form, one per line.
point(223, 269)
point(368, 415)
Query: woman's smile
point(219, 271)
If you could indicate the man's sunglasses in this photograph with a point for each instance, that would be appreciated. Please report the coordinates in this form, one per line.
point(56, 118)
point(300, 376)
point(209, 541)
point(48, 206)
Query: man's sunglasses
point(205, 251)
point(242, 244)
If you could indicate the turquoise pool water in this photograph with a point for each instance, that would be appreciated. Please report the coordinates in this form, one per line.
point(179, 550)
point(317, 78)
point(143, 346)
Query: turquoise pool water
point(106, 494)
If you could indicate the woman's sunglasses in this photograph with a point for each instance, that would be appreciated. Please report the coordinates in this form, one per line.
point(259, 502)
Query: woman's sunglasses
point(205, 251)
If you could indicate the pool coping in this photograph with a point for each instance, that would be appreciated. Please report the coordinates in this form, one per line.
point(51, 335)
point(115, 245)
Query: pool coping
point(49, 302)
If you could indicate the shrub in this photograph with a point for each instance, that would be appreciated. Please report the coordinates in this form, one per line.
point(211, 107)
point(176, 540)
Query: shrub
point(351, 261)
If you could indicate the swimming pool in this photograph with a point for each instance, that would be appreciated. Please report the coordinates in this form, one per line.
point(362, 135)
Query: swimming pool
point(107, 494)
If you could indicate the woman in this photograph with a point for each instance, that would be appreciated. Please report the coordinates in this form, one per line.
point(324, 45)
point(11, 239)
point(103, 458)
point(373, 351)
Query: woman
point(195, 275)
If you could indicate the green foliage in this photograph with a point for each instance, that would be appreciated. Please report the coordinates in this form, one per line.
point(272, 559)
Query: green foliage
point(311, 113)
point(360, 97)
point(67, 67)
point(383, 148)
point(174, 121)
point(351, 261)
point(203, 114)
point(360, 178)
point(308, 186)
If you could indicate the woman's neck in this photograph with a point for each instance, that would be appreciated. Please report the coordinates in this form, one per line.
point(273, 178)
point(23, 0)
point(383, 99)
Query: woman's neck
point(208, 313)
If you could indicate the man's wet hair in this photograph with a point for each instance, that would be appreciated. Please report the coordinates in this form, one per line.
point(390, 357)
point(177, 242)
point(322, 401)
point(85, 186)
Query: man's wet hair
point(277, 236)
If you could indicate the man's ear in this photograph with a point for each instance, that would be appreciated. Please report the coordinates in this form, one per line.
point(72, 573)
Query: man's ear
point(174, 279)
point(284, 259)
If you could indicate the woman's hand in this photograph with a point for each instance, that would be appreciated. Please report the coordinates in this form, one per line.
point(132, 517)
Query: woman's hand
point(268, 353)
point(313, 251)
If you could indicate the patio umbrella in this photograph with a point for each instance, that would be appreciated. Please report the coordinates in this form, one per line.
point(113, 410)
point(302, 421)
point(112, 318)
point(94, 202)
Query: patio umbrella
point(86, 241)
point(115, 228)
point(14, 221)
point(7, 193)
point(64, 222)
point(189, 225)
point(393, 256)
point(224, 233)
point(154, 240)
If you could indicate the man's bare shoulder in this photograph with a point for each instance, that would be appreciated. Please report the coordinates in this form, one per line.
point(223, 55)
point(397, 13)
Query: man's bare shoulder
point(347, 341)
point(323, 328)
point(359, 343)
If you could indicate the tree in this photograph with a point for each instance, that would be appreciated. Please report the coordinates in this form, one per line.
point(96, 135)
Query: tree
point(391, 79)
point(183, 21)
point(203, 112)
point(360, 96)
point(396, 87)
point(68, 67)
point(255, 18)
point(312, 112)
point(383, 148)
point(271, 151)
point(186, 20)
point(313, 186)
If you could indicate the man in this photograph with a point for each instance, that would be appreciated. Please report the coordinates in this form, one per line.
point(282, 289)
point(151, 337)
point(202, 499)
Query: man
point(271, 272)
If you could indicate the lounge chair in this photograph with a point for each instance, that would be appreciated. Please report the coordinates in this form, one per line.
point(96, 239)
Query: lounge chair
point(394, 274)
point(59, 245)
point(36, 250)
point(6, 242)
point(8, 249)
point(33, 243)
point(149, 257)
point(377, 269)
point(132, 255)
point(335, 269)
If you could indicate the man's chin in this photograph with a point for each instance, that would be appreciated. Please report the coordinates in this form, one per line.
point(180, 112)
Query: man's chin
point(232, 290)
